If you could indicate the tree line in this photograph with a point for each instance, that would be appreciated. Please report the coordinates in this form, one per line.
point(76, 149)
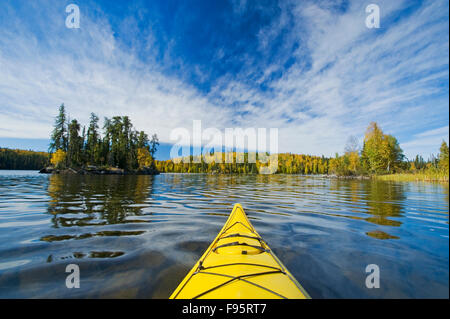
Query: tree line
point(380, 154)
point(119, 146)
point(218, 163)
point(22, 159)
point(122, 146)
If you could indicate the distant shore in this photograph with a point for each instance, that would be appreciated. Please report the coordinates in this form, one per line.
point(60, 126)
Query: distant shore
point(398, 177)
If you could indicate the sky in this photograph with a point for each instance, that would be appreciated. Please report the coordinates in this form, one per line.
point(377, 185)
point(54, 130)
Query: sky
point(311, 69)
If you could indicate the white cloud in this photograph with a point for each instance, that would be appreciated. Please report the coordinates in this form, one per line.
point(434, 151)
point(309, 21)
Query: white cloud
point(423, 141)
point(90, 72)
point(441, 131)
point(356, 75)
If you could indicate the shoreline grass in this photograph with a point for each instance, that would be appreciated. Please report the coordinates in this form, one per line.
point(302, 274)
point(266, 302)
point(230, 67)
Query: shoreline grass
point(414, 177)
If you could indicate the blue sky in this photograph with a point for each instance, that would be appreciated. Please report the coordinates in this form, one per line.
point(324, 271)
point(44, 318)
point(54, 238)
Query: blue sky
point(309, 68)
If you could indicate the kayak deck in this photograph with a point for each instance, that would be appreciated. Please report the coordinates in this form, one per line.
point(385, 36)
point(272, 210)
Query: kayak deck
point(239, 265)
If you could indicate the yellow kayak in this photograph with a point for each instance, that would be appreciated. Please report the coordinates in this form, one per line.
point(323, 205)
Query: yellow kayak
point(239, 265)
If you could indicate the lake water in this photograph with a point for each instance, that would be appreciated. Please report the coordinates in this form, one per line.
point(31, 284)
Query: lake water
point(137, 236)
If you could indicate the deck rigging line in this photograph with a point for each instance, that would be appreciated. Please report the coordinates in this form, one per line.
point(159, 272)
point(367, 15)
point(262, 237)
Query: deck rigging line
point(201, 269)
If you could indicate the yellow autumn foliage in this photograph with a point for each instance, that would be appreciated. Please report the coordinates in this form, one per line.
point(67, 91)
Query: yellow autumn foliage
point(143, 157)
point(58, 158)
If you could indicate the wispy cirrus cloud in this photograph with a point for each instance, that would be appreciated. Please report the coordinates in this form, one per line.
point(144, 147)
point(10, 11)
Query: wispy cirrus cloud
point(312, 69)
point(423, 140)
point(88, 70)
point(397, 75)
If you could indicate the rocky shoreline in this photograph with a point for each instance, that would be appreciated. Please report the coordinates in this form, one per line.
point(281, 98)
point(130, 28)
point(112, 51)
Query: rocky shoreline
point(360, 177)
point(98, 171)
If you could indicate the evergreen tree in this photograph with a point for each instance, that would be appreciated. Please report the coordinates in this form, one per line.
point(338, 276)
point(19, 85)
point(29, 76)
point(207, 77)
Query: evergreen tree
point(153, 145)
point(117, 142)
point(59, 140)
point(93, 149)
point(419, 162)
point(107, 156)
point(21, 159)
point(143, 141)
point(74, 149)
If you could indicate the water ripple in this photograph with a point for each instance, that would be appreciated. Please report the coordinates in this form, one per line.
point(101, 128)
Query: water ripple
point(154, 228)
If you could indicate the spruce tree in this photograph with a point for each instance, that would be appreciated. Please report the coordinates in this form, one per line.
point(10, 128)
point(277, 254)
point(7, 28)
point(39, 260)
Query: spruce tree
point(74, 149)
point(59, 138)
point(93, 141)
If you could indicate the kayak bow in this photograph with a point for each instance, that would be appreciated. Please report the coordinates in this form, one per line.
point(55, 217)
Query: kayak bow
point(239, 265)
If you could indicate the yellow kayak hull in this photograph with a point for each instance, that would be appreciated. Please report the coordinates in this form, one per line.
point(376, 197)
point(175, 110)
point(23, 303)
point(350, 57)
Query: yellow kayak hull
point(239, 265)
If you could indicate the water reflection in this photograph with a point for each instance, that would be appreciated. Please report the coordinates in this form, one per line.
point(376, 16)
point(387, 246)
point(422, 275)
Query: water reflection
point(137, 236)
point(92, 203)
point(380, 235)
point(382, 201)
point(385, 200)
point(98, 200)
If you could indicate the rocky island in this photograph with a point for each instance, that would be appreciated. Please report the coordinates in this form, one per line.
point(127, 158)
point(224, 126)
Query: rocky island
point(120, 150)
